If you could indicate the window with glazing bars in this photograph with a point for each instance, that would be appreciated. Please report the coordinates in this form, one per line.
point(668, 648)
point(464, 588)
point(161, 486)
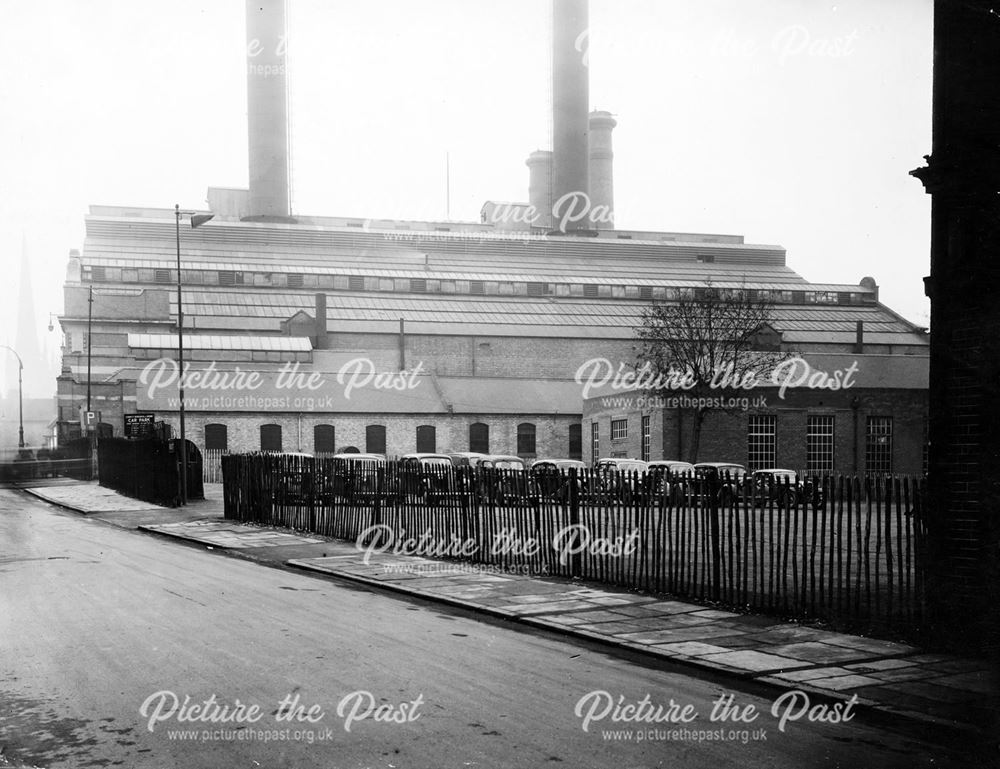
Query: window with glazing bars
point(761, 443)
point(878, 445)
point(646, 435)
point(619, 429)
point(819, 444)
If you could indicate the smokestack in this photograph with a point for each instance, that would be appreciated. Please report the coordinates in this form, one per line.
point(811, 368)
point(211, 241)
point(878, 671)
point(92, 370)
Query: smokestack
point(540, 187)
point(859, 337)
point(267, 111)
point(322, 340)
point(570, 85)
point(602, 188)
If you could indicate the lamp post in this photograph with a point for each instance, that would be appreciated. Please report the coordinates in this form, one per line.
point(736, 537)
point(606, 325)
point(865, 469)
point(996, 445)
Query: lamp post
point(90, 340)
point(196, 221)
point(20, 398)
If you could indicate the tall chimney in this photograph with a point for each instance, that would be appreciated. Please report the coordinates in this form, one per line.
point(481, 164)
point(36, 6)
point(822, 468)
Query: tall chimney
point(539, 165)
point(570, 84)
point(602, 188)
point(267, 111)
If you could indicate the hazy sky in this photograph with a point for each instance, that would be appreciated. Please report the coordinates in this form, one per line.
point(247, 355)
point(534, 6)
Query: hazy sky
point(791, 122)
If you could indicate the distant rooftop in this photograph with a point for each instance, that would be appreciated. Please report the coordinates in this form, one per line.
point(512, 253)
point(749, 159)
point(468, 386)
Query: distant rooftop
point(443, 229)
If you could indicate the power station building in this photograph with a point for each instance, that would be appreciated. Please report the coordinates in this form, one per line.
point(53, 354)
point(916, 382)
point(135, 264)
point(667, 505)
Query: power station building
point(322, 334)
point(431, 336)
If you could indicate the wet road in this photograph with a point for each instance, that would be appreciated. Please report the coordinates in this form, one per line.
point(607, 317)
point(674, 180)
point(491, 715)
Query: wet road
point(106, 633)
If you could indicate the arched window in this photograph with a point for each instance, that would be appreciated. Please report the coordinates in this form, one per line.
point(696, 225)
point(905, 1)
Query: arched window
point(375, 439)
point(525, 439)
point(323, 439)
point(270, 437)
point(479, 438)
point(216, 437)
point(576, 441)
point(426, 439)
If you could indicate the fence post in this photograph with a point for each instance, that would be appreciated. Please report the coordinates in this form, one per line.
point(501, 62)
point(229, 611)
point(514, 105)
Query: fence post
point(576, 561)
point(311, 487)
point(380, 486)
point(464, 486)
point(716, 492)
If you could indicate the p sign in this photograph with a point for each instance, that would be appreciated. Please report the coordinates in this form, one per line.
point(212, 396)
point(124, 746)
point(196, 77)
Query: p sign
point(89, 419)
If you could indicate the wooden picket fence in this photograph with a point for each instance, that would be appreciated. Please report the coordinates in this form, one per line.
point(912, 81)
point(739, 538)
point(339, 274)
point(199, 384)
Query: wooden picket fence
point(849, 551)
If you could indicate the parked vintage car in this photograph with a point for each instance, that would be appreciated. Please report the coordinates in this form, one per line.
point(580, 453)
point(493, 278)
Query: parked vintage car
point(430, 477)
point(618, 479)
point(466, 458)
point(292, 482)
point(670, 479)
point(727, 478)
point(503, 478)
point(348, 476)
point(551, 477)
point(784, 487)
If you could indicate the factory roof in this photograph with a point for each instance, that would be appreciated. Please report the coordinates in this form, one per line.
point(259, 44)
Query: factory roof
point(137, 234)
point(569, 316)
point(248, 277)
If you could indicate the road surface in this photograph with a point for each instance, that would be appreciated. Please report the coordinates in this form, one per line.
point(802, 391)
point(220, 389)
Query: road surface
point(119, 648)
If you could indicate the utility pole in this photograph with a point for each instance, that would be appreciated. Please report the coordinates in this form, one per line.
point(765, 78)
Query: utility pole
point(196, 221)
point(90, 317)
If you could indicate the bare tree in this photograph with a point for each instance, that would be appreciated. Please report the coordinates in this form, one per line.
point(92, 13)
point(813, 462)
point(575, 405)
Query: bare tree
point(719, 342)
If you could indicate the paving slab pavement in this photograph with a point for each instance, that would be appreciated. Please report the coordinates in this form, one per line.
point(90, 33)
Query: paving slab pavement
point(954, 693)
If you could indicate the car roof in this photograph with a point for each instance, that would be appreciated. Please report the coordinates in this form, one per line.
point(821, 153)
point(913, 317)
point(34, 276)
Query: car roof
point(425, 455)
point(569, 462)
point(719, 464)
point(775, 470)
point(669, 463)
point(503, 458)
point(368, 457)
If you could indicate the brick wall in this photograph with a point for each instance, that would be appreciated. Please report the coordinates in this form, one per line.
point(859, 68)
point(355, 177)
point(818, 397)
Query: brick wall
point(452, 432)
point(724, 435)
